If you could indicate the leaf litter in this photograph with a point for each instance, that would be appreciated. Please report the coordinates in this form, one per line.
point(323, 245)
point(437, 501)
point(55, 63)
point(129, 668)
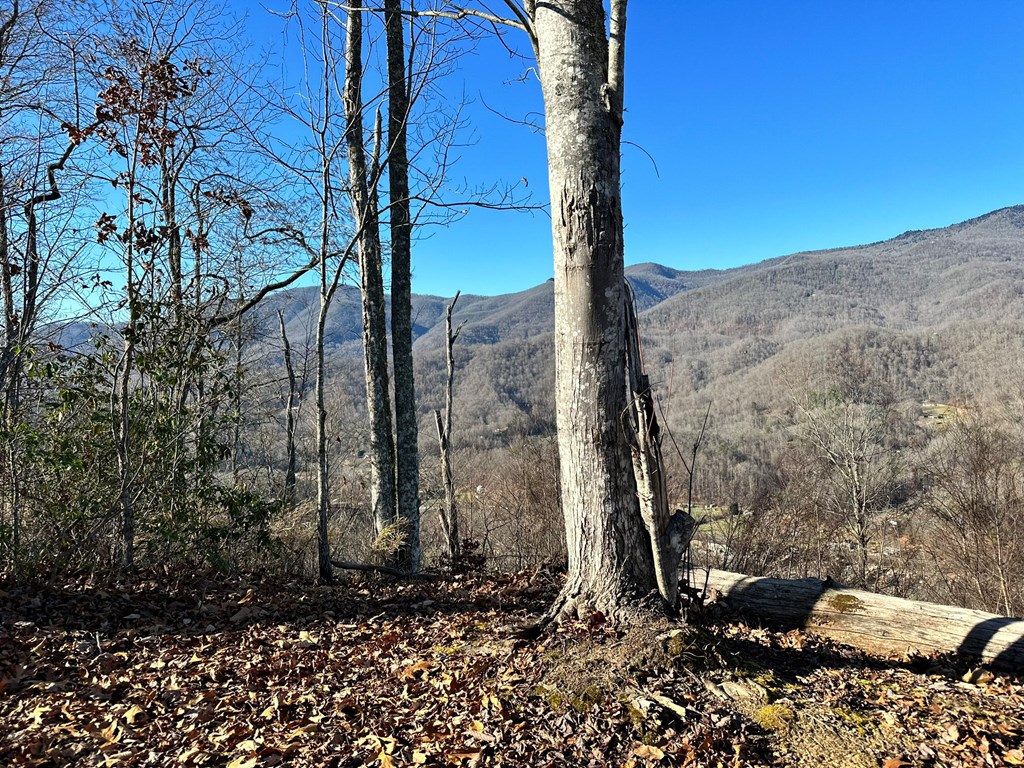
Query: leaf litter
point(249, 673)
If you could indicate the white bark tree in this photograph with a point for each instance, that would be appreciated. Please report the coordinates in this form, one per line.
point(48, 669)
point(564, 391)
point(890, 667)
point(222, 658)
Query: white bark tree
point(619, 549)
point(611, 562)
point(363, 177)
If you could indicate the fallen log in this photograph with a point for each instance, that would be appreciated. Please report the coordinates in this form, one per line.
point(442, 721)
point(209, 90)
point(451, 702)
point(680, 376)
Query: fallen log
point(875, 623)
point(384, 570)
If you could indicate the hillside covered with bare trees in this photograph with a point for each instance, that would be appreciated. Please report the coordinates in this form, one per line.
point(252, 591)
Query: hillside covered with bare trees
point(903, 355)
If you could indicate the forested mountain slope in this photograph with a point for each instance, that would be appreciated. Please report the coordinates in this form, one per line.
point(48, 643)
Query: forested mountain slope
point(487, 319)
point(935, 314)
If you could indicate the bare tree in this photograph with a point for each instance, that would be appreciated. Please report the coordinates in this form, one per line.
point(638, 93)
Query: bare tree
point(976, 499)
point(336, 115)
point(365, 212)
point(858, 469)
point(37, 258)
point(328, 244)
point(580, 57)
point(449, 512)
point(406, 432)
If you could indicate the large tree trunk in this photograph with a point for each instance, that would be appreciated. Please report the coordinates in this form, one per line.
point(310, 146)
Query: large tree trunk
point(876, 623)
point(609, 549)
point(407, 457)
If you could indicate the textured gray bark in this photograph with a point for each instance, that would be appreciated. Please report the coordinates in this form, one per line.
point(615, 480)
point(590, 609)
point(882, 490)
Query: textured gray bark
point(450, 511)
point(406, 433)
point(670, 533)
point(375, 343)
point(326, 153)
point(609, 548)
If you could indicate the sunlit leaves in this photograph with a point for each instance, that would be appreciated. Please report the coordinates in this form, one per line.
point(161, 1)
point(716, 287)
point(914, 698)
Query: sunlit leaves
point(426, 675)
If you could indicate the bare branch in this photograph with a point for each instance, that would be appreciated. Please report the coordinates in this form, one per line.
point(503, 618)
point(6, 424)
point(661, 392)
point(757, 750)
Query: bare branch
point(524, 19)
point(53, 191)
point(500, 206)
point(455, 15)
point(262, 294)
point(535, 127)
point(649, 156)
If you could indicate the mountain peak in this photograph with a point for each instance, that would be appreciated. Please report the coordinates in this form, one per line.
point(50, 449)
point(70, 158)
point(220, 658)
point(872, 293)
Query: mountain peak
point(1011, 216)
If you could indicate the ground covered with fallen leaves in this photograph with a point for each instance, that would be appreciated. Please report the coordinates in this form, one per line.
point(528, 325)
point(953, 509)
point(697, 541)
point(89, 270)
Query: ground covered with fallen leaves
point(243, 673)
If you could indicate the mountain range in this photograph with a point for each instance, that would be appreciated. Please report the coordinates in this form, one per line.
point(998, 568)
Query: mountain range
point(936, 315)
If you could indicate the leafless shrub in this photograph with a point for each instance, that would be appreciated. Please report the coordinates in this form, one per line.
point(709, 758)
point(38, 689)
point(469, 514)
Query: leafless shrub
point(975, 500)
point(512, 507)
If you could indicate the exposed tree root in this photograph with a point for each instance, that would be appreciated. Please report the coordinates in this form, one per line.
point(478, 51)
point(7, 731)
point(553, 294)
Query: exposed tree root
point(617, 610)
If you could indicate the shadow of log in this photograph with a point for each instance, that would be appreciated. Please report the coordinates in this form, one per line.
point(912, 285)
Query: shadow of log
point(1000, 638)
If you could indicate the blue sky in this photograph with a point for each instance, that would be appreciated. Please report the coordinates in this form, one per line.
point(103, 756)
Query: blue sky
point(775, 127)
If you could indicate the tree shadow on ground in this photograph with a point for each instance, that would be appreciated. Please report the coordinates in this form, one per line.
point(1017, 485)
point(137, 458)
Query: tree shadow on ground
point(192, 606)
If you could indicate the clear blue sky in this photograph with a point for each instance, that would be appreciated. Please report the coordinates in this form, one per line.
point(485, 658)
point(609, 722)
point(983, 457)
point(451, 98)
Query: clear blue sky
point(776, 127)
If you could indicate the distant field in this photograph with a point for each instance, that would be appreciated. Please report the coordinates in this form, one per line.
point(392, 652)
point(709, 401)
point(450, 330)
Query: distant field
point(938, 415)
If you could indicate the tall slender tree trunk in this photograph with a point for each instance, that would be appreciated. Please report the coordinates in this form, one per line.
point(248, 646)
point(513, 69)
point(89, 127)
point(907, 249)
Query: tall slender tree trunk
point(290, 451)
point(183, 338)
point(375, 342)
point(121, 413)
point(9, 377)
point(121, 392)
point(450, 513)
point(323, 485)
point(609, 548)
point(407, 458)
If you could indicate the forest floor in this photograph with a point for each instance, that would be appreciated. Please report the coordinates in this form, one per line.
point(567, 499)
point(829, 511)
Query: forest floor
point(254, 673)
